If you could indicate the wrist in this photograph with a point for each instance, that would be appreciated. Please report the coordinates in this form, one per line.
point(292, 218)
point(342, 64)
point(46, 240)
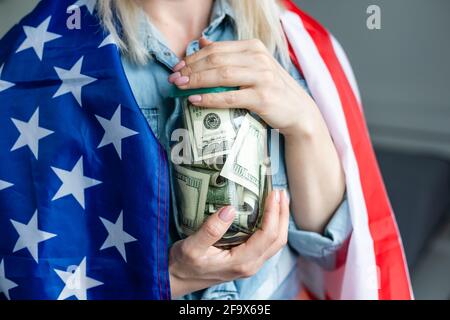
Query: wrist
point(303, 129)
point(306, 120)
point(176, 285)
point(181, 285)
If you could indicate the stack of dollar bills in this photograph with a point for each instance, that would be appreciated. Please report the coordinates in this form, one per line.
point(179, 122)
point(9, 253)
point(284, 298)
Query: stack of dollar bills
point(229, 162)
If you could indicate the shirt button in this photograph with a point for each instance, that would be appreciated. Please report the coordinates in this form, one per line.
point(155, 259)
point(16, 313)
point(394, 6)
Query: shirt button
point(167, 53)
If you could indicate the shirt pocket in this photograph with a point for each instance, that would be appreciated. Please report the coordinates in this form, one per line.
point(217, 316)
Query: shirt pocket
point(151, 114)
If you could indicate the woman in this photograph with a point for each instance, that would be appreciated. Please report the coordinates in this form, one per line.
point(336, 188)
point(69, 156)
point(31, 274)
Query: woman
point(84, 178)
point(241, 44)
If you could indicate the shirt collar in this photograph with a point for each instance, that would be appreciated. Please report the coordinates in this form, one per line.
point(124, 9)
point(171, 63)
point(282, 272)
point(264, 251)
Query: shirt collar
point(153, 39)
point(220, 11)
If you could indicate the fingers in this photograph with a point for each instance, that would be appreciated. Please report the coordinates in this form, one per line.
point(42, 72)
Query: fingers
point(283, 226)
point(244, 98)
point(224, 69)
point(209, 48)
point(203, 42)
point(211, 231)
point(221, 47)
point(284, 215)
point(226, 75)
point(218, 60)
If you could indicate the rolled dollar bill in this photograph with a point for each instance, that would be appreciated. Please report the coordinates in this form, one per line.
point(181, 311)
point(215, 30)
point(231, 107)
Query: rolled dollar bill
point(225, 195)
point(245, 221)
point(232, 238)
point(249, 200)
point(192, 189)
point(215, 163)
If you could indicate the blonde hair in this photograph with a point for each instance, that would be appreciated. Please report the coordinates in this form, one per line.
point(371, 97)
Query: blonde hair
point(255, 19)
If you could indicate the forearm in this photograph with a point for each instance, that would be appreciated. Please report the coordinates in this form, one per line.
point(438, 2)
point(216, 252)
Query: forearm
point(316, 178)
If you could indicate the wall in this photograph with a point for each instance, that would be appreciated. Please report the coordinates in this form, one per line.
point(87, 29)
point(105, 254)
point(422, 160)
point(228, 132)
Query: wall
point(403, 69)
point(12, 10)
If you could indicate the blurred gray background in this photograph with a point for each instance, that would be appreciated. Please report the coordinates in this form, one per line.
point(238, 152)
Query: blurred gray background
point(403, 69)
point(403, 73)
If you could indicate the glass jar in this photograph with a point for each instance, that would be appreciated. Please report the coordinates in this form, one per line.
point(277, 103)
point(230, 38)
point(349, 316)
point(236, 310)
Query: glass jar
point(221, 161)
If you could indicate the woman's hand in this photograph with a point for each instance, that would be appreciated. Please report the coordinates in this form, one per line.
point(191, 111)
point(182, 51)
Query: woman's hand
point(195, 264)
point(265, 87)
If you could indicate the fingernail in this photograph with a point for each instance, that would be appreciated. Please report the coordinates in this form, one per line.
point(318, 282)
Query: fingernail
point(180, 65)
point(227, 214)
point(174, 76)
point(182, 80)
point(277, 196)
point(286, 196)
point(195, 98)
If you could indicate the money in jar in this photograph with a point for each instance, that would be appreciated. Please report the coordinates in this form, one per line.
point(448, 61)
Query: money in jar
point(226, 164)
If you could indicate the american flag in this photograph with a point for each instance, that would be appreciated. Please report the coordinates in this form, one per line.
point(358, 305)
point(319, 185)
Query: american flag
point(84, 194)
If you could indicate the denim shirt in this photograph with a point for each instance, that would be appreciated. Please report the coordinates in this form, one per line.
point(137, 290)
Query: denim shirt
point(279, 278)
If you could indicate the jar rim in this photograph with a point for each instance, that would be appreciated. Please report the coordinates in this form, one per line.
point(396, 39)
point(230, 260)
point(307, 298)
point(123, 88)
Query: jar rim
point(177, 93)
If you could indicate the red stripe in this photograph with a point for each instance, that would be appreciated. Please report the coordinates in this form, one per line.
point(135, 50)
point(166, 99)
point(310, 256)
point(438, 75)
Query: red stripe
point(394, 279)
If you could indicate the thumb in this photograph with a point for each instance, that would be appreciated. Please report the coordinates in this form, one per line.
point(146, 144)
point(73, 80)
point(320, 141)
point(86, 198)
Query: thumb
point(213, 229)
point(204, 42)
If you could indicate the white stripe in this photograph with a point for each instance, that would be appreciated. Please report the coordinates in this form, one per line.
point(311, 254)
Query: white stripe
point(348, 70)
point(107, 41)
point(359, 280)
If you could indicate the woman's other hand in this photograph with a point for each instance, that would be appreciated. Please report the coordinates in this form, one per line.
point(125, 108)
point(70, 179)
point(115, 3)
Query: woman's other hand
point(195, 263)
